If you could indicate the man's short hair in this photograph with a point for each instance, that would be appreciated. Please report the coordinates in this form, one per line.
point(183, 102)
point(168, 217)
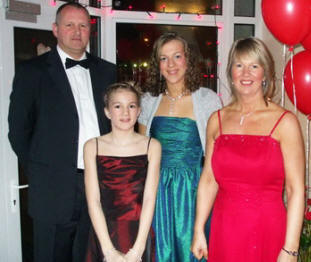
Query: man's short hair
point(75, 5)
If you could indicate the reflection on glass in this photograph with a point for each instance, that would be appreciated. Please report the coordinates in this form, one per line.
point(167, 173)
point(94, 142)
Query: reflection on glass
point(211, 7)
point(95, 3)
point(95, 36)
point(134, 47)
point(92, 3)
point(244, 8)
point(243, 31)
point(36, 42)
point(31, 42)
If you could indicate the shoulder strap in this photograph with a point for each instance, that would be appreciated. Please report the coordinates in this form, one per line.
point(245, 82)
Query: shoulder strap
point(96, 146)
point(219, 121)
point(277, 122)
point(148, 145)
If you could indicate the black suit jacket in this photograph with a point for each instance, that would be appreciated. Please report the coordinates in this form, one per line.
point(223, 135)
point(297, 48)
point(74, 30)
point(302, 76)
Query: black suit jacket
point(44, 130)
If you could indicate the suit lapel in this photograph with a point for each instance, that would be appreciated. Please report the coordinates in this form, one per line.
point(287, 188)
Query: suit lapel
point(59, 77)
point(61, 82)
point(95, 75)
point(97, 79)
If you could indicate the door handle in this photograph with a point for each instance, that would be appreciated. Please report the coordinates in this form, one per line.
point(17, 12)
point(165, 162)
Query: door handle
point(20, 187)
point(14, 194)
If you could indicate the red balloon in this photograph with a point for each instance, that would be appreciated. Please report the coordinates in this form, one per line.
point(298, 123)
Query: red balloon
point(287, 20)
point(302, 81)
point(306, 42)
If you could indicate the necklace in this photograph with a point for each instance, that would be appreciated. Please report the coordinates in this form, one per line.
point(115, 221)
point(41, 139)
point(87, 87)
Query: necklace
point(172, 101)
point(243, 117)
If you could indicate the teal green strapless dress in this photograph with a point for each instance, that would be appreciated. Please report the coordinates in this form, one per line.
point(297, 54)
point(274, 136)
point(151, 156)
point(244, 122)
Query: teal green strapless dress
point(181, 167)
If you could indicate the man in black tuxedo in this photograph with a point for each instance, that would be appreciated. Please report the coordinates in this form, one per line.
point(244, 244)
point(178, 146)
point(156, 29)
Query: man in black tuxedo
point(56, 105)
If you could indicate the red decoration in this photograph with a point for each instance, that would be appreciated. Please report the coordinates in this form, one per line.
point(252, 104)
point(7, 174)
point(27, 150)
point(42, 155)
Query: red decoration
point(307, 42)
point(302, 80)
point(307, 214)
point(287, 20)
point(215, 7)
point(52, 3)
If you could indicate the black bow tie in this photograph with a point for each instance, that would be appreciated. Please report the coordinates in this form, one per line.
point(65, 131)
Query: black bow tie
point(71, 63)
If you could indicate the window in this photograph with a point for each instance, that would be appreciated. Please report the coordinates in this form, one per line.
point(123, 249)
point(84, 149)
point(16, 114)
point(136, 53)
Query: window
point(243, 31)
point(134, 47)
point(211, 7)
point(244, 8)
point(95, 36)
point(244, 22)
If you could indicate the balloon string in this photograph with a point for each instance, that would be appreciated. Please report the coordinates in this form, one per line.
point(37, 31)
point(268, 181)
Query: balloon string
point(307, 155)
point(283, 69)
point(292, 73)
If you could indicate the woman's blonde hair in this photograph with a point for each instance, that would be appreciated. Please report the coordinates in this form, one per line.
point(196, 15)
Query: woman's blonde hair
point(255, 48)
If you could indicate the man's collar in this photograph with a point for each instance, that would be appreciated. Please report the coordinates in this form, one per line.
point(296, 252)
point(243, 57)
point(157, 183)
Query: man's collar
point(63, 55)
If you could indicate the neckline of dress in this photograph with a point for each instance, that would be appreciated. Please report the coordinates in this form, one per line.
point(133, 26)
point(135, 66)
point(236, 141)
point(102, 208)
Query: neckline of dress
point(140, 155)
point(177, 117)
point(248, 135)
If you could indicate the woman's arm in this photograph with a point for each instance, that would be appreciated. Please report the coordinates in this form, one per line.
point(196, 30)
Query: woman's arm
point(292, 147)
point(147, 104)
point(94, 204)
point(207, 192)
point(150, 193)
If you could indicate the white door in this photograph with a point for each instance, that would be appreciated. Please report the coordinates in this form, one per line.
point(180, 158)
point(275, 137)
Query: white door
point(10, 221)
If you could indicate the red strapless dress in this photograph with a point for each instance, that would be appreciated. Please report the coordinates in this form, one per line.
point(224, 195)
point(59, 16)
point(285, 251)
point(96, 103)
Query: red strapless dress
point(121, 182)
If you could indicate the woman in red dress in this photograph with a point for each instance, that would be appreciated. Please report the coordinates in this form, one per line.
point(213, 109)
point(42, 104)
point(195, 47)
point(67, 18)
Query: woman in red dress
point(254, 149)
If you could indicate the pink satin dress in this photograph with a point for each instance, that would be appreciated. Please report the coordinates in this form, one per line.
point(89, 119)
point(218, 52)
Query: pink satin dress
point(249, 216)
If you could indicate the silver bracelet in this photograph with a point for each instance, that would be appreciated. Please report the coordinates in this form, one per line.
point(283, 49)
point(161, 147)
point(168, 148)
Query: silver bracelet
point(291, 253)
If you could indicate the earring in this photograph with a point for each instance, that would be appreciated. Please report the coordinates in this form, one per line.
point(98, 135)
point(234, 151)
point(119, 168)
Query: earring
point(264, 84)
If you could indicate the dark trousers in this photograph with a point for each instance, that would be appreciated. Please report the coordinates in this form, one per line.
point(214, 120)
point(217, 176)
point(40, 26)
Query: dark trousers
point(64, 242)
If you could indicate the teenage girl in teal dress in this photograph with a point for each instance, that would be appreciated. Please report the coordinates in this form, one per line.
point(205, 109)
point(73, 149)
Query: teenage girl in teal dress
point(175, 111)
